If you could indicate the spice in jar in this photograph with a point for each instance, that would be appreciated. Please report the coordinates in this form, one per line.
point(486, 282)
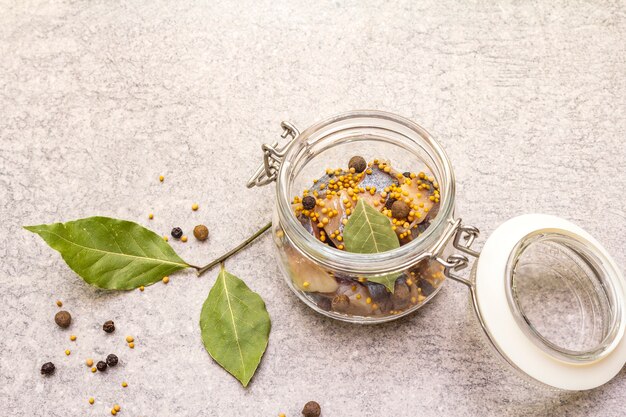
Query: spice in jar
point(108, 326)
point(47, 368)
point(63, 319)
point(201, 232)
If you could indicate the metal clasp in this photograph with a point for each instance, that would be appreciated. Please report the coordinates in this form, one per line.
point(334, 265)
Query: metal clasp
point(273, 158)
point(463, 240)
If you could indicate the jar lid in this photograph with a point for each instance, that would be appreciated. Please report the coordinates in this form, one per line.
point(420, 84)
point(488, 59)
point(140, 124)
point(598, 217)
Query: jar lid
point(551, 301)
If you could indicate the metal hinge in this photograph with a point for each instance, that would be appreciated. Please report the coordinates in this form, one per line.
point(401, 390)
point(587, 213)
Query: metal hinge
point(463, 240)
point(273, 158)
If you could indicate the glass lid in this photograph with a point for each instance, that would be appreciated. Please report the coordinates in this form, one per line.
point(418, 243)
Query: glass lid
point(551, 300)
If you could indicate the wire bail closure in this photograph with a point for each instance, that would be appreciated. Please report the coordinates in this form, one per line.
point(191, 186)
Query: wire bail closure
point(463, 240)
point(267, 172)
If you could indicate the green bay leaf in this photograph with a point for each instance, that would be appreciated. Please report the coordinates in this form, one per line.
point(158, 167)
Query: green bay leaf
point(110, 253)
point(369, 231)
point(235, 326)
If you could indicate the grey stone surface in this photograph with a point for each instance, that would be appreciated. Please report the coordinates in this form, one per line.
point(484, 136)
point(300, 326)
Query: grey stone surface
point(98, 98)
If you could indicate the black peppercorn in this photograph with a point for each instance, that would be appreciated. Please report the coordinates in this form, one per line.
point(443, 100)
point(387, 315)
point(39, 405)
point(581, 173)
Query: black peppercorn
point(63, 319)
point(108, 326)
point(308, 202)
point(47, 368)
point(102, 366)
point(311, 409)
point(112, 360)
point(358, 163)
point(389, 203)
point(177, 232)
point(407, 174)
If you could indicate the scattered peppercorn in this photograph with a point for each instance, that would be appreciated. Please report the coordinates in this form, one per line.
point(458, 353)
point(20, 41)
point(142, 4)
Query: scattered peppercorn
point(201, 232)
point(400, 210)
point(108, 326)
point(59, 303)
point(389, 203)
point(194, 206)
point(112, 360)
point(177, 232)
point(311, 409)
point(89, 362)
point(63, 319)
point(358, 163)
point(183, 238)
point(47, 368)
point(102, 366)
point(407, 174)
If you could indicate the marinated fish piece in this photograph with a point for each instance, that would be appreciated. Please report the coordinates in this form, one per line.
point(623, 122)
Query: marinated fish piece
point(307, 276)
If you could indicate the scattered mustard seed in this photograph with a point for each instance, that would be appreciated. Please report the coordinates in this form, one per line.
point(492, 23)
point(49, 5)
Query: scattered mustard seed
point(194, 206)
point(94, 369)
point(129, 339)
point(91, 400)
point(183, 238)
point(59, 303)
point(165, 280)
point(131, 345)
point(165, 238)
point(141, 288)
point(67, 352)
point(116, 407)
point(113, 412)
point(89, 362)
point(151, 216)
point(124, 384)
point(161, 178)
point(72, 338)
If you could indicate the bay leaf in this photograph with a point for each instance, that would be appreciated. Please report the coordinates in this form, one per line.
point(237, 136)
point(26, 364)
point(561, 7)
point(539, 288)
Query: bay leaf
point(369, 231)
point(110, 253)
point(235, 326)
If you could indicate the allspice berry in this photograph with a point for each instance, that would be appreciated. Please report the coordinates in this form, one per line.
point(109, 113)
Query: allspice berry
point(47, 368)
point(358, 163)
point(63, 319)
point(400, 209)
point(108, 326)
point(340, 302)
point(201, 232)
point(311, 409)
point(309, 202)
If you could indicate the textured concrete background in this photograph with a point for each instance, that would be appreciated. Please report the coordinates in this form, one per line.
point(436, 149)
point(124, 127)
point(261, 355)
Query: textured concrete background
point(98, 98)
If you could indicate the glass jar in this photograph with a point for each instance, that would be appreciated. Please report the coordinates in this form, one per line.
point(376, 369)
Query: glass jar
point(529, 262)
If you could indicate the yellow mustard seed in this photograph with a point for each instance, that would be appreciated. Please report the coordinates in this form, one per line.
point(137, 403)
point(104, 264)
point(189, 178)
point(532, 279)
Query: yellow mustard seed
point(161, 178)
point(165, 280)
point(113, 412)
point(131, 345)
point(358, 296)
point(89, 362)
point(368, 300)
point(91, 400)
point(94, 369)
point(165, 238)
point(67, 352)
point(306, 284)
point(183, 238)
point(129, 339)
point(194, 206)
point(124, 384)
point(151, 216)
point(283, 414)
point(340, 247)
point(59, 303)
point(72, 338)
point(141, 288)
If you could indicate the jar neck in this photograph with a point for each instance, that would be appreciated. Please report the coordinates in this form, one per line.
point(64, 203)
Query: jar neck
point(351, 128)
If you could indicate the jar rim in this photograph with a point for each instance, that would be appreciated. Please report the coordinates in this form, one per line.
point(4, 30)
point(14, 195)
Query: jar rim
point(378, 263)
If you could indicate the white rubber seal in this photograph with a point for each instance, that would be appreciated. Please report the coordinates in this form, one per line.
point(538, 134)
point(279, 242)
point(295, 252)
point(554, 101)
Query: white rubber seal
point(505, 331)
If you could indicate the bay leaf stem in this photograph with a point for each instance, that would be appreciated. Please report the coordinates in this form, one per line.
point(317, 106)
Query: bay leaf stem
point(233, 251)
